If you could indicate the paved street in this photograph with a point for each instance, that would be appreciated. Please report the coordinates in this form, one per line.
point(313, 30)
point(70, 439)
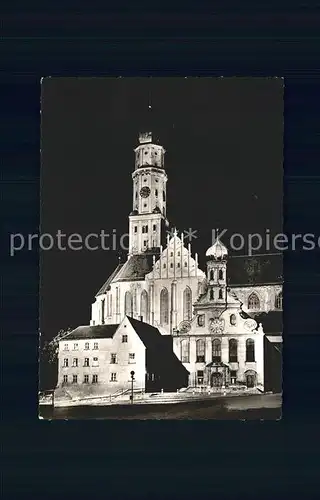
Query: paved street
point(261, 406)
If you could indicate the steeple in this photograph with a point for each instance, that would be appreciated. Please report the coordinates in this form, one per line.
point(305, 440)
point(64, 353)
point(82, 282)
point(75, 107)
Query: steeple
point(148, 217)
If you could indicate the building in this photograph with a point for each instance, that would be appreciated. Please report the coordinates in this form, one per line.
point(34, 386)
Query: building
point(98, 360)
point(209, 316)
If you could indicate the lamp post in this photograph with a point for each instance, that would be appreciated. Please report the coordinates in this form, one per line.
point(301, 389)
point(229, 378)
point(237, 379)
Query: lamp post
point(132, 380)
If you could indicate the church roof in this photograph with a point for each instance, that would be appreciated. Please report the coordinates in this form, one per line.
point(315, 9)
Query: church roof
point(272, 321)
point(255, 270)
point(104, 287)
point(92, 332)
point(135, 268)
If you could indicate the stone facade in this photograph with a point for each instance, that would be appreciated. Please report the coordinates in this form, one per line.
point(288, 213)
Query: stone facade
point(161, 284)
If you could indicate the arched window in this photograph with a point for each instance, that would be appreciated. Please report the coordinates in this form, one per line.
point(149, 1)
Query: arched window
point(128, 304)
point(220, 294)
point(187, 304)
point(233, 319)
point(164, 307)
point(216, 350)
point(220, 274)
point(201, 320)
point(144, 306)
point(185, 350)
point(212, 274)
point(278, 303)
point(102, 311)
point(233, 350)
point(200, 351)
point(211, 294)
point(253, 301)
point(250, 350)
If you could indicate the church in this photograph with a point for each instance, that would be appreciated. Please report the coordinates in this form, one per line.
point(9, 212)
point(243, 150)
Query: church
point(218, 320)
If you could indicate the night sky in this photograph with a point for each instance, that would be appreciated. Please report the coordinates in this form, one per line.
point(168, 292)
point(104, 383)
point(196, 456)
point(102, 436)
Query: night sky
point(223, 139)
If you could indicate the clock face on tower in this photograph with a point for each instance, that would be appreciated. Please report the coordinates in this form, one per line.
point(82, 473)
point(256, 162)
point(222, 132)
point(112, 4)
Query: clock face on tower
point(144, 192)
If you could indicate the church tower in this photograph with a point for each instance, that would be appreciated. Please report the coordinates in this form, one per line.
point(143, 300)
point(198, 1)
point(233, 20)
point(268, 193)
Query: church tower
point(217, 256)
point(147, 220)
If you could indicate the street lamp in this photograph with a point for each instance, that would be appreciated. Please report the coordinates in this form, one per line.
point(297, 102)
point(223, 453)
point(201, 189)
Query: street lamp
point(132, 379)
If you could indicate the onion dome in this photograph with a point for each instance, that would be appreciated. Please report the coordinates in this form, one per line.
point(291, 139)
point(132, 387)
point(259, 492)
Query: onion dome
point(217, 251)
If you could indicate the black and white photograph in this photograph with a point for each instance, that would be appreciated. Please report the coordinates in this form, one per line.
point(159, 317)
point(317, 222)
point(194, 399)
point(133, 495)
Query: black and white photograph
point(161, 246)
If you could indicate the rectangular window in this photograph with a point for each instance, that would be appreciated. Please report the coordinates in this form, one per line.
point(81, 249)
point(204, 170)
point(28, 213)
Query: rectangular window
point(75, 347)
point(86, 362)
point(86, 379)
point(74, 379)
point(113, 359)
point(65, 379)
point(131, 357)
point(94, 379)
point(113, 377)
point(154, 227)
point(145, 243)
point(66, 362)
point(95, 362)
point(233, 376)
point(124, 338)
point(66, 347)
point(200, 377)
point(75, 362)
point(95, 345)
point(86, 346)
point(135, 229)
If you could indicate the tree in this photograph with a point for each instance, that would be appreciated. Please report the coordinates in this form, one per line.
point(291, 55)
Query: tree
point(49, 360)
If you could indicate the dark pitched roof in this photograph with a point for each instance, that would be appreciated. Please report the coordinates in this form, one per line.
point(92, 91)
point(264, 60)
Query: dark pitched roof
point(272, 322)
point(92, 332)
point(149, 335)
point(255, 270)
point(159, 347)
point(135, 268)
point(105, 286)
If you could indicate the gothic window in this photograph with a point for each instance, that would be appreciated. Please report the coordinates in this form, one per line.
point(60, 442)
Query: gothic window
point(144, 306)
point(211, 294)
point(212, 274)
point(220, 294)
point(278, 303)
point(187, 304)
point(200, 351)
point(216, 350)
point(220, 274)
point(102, 311)
point(185, 350)
point(250, 350)
point(233, 350)
point(201, 320)
point(164, 307)
point(253, 301)
point(128, 304)
point(233, 319)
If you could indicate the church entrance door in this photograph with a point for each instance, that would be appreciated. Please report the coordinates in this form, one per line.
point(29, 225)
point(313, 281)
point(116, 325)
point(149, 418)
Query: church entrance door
point(216, 379)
